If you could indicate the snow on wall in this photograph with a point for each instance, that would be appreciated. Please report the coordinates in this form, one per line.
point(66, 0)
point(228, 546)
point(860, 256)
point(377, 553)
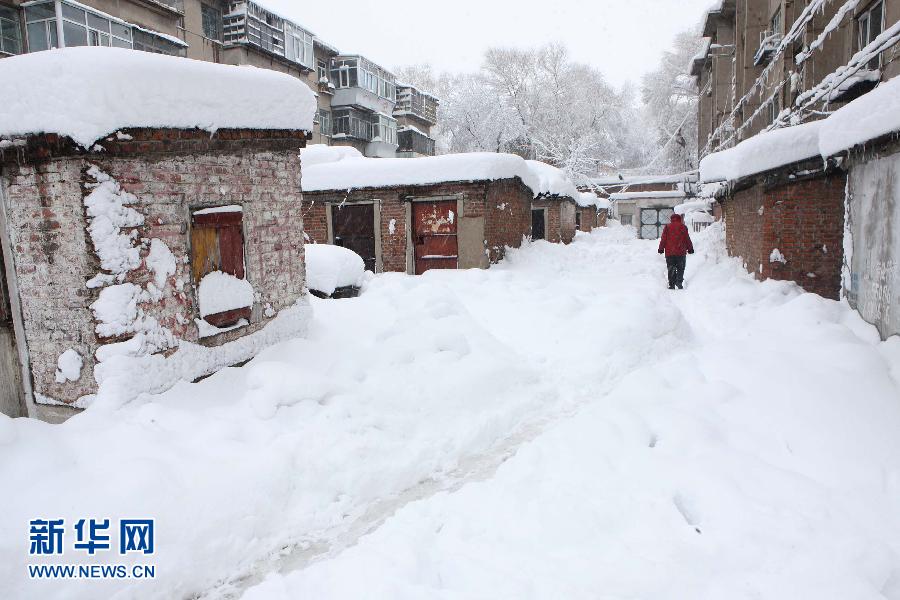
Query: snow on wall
point(220, 292)
point(349, 171)
point(96, 91)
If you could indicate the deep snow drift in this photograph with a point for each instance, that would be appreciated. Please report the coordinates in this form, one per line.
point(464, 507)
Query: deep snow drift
point(559, 426)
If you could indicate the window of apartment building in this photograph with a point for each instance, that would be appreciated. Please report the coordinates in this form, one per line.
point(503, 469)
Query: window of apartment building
point(81, 27)
point(40, 27)
point(776, 23)
point(358, 72)
point(352, 123)
point(217, 244)
point(324, 121)
point(384, 129)
point(298, 45)
point(10, 34)
point(870, 24)
point(212, 22)
point(322, 70)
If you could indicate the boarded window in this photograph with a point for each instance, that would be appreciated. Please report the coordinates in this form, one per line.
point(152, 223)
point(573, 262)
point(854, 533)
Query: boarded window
point(217, 244)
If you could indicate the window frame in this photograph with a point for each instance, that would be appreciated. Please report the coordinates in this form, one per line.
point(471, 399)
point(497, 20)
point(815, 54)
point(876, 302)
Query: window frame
point(210, 14)
point(231, 224)
point(865, 17)
point(14, 24)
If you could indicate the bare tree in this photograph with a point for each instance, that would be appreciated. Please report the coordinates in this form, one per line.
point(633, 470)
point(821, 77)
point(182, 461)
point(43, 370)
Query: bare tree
point(671, 96)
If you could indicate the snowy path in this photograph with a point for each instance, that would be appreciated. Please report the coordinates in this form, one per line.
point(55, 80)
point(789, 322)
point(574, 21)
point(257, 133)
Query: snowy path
point(751, 453)
point(558, 426)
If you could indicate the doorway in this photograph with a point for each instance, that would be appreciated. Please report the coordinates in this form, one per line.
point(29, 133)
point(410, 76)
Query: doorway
point(538, 223)
point(434, 235)
point(353, 227)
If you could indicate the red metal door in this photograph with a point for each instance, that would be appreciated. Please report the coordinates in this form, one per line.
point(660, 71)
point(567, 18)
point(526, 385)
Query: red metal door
point(434, 235)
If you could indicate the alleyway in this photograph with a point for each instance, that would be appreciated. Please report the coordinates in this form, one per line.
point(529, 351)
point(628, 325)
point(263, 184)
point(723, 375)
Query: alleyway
point(559, 426)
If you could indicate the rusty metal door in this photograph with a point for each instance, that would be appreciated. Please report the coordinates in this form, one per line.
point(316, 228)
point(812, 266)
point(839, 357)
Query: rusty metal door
point(434, 235)
point(353, 226)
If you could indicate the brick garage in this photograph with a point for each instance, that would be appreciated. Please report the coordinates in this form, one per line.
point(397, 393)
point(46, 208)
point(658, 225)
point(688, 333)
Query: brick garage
point(798, 210)
point(490, 215)
point(586, 217)
point(559, 217)
point(169, 173)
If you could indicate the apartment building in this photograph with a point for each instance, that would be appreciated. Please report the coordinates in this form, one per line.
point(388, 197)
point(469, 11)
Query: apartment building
point(797, 119)
point(360, 102)
point(772, 63)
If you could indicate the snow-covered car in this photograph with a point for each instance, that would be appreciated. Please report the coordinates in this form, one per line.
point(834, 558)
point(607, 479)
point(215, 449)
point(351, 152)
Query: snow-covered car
point(333, 271)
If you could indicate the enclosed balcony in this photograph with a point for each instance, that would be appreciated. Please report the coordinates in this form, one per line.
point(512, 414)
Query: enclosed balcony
point(250, 24)
point(413, 102)
point(413, 143)
point(360, 82)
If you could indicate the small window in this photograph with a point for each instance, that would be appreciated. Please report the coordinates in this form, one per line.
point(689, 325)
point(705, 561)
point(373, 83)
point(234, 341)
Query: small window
point(324, 122)
point(212, 22)
point(870, 24)
point(217, 244)
point(10, 34)
point(577, 219)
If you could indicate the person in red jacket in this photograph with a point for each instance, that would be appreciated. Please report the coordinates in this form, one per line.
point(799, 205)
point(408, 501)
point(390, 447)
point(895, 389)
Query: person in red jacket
point(676, 243)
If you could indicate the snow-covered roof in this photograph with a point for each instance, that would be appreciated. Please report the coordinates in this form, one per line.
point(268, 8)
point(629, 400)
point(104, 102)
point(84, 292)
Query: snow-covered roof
point(648, 195)
point(584, 199)
point(762, 152)
point(692, 206)
point(337, 169)
point(88, 93)
point(552, 181)
point(870, 116)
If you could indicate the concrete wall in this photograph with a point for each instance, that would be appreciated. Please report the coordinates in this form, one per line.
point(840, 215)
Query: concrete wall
point(874, 202)
point(169, 172)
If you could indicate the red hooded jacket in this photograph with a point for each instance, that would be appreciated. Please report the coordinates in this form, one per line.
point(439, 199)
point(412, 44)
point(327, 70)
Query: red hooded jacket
point(675, 240)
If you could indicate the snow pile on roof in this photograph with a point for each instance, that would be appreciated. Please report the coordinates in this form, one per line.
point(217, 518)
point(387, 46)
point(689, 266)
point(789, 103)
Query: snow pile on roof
point(868, 117)
point(552, 181)
point(88, 93)
point(762, 152)
point(619, 179)
point(331, 267)
point(585, 199)
point(320, 154)
point(355, 173)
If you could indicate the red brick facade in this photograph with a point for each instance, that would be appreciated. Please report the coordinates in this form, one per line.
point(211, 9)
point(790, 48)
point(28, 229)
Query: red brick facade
point(588, 218)
point(502, 206)
point(170, 172)
point(803, 219)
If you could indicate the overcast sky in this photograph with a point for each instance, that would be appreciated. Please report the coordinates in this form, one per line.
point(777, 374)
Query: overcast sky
point(623, 38)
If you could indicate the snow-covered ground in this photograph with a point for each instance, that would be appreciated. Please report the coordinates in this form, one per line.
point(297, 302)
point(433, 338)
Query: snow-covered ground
point(560, 426)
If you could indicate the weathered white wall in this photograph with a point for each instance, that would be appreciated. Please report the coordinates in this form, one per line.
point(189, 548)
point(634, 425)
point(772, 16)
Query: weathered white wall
point(875, 263)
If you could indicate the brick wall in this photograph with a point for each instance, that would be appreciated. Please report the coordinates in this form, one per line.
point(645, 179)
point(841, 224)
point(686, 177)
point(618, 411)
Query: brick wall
point(560, 219)
point(504, 205)
point(507, 216)
point(803, 219)
point(588, 218)
point(170, 172)
point(602, 216)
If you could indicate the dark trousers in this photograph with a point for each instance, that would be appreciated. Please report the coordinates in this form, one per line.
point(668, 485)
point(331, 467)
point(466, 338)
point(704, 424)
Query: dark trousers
point(675, 265)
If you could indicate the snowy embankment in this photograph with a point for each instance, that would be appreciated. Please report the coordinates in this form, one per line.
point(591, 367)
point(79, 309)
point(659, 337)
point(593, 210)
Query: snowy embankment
point(752, 453)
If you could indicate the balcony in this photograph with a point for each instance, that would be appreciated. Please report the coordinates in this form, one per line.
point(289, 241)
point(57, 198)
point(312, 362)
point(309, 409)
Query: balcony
point(768, 45)
point(362, 83)
point(416, 103)
point(414, 143)
point(249, 24)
